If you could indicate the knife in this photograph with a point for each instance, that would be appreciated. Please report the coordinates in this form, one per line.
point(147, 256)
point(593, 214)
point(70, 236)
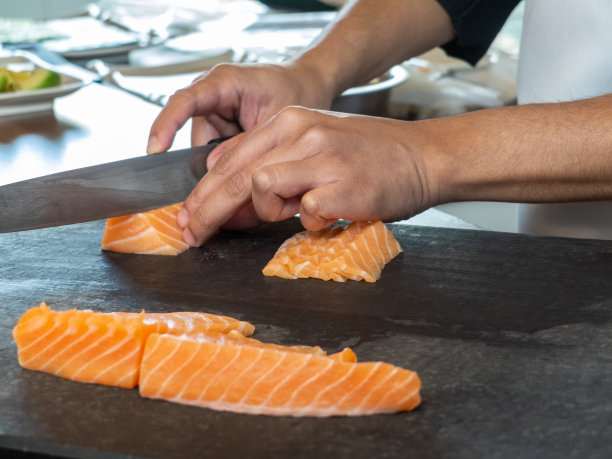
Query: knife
point(102, 191)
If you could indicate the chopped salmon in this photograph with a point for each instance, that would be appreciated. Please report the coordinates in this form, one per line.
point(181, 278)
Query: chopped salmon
point(103, 348)
point(358, 252)
point(154, 232)
point(246, 378)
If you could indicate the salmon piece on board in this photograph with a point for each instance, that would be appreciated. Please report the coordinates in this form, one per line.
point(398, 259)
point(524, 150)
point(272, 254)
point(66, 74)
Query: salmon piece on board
point(178, 323)
point(237, 338)
point(358, 252)
point(102, 348)
point(154, 232)
point(254, 379)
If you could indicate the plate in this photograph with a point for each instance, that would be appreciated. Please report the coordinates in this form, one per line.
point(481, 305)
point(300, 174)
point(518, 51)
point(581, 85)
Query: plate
point(38, 100)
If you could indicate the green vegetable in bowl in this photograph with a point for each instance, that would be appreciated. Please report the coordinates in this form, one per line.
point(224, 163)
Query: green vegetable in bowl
point(3, 82)
point(38, 78)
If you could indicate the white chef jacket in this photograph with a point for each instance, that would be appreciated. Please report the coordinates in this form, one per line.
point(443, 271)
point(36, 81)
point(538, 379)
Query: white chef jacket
point(566, 54)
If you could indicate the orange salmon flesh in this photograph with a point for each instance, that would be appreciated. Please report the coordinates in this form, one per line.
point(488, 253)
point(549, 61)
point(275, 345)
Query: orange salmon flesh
point(358, 252)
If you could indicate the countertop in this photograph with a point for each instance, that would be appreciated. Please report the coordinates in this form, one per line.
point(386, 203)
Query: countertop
point(511, 336)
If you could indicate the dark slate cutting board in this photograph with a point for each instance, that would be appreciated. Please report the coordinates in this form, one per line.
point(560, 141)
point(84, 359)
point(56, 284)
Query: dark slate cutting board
point(511, 335)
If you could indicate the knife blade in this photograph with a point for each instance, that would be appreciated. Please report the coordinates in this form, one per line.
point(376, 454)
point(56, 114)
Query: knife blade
point(102, 191)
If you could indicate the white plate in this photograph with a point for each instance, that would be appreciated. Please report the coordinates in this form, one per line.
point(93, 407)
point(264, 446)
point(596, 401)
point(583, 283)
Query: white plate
point(20, 102)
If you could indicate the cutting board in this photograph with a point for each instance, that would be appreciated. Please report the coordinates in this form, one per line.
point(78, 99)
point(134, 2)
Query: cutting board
point(511, 336)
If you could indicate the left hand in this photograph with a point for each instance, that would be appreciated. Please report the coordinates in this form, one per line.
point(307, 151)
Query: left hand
point(323, 165)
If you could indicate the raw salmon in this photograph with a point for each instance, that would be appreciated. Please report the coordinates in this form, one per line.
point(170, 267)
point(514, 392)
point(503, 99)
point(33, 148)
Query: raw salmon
point(358, 252)
point(246, 378)
point(154, 232)
point(235, 337)
point(101, 348)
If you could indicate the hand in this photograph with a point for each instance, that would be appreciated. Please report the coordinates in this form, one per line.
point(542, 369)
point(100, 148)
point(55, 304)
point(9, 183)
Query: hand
point(234, 98)
point(323, 165)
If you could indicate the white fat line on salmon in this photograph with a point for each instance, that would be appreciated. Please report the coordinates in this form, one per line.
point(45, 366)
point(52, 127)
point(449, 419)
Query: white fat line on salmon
point(114, 225)
point(353, 249)
point(180, 397)
point(119, 345)
point(283, 356)
point(159, 249)
point(399, 387)
point(350, 370)
point(239, 377)
point(135, 373)
point(171, 229)
point(314, 377)
point(96, 330)
point(67, 348)
point(183, 365)
point(389, 238)
point(237, 353)
point(160, 362)
point(369, 250)
point(52, 330)
point(188, 321)
point(306, 359)
point(41, 337)
point(359, 407)
point(349, 252)
point(408, 398)
point(357, 387)
point(377, 244)
point(108, 336)
point(130, 238)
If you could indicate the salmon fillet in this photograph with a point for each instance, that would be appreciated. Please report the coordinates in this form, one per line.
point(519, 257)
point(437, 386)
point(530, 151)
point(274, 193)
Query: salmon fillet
point(246, 378)
point(234, 337)
point(358, 252)
point(154, 232)
point(101, 348)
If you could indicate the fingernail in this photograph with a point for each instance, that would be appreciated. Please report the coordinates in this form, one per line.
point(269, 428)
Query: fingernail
point(188, 238)
point(182, 218)
point(153, 145)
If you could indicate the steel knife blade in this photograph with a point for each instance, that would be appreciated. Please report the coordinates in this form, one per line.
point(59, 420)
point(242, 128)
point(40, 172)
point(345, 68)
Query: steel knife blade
point(102, 191)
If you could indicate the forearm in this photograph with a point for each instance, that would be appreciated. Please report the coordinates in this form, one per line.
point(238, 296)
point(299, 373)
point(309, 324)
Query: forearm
point(531, 153)
point(372, 35)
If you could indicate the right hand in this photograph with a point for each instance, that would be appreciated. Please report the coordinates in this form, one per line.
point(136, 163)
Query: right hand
point(232, 98)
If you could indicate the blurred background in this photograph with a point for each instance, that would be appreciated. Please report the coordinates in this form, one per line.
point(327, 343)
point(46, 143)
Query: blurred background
point(151, 48)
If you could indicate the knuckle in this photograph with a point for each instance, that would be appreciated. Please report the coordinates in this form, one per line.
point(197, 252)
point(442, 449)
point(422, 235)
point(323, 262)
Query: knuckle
point(263, 180)
point(236, 185)
point(291, 115)
point(182, 96)
point(310, 205)
point(314, 135)
point(199, 220)
point(223, 164)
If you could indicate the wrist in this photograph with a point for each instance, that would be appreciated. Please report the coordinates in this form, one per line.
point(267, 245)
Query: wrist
point(317, 78)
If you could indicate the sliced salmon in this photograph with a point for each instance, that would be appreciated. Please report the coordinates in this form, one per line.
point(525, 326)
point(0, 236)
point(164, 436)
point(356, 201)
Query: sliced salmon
point(235, 337)
point(358, 252)
point(255, 379)
point(98, 347)
point(155, 232)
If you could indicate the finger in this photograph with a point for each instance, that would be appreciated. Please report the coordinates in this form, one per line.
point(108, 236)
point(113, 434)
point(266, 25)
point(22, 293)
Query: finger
point(277, 188)
point(213, 126)
point(202, 131)
point(183, 105)
point(243, 219)
point(321, 207)
point(224, 190)
point(223, 148)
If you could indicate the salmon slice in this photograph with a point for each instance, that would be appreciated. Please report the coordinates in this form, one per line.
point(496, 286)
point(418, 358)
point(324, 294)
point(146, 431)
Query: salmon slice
point(234, 337)
point(358, 252)
point(252, 379)
point(154, 232)
point(178, 323)
point(101, 348)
